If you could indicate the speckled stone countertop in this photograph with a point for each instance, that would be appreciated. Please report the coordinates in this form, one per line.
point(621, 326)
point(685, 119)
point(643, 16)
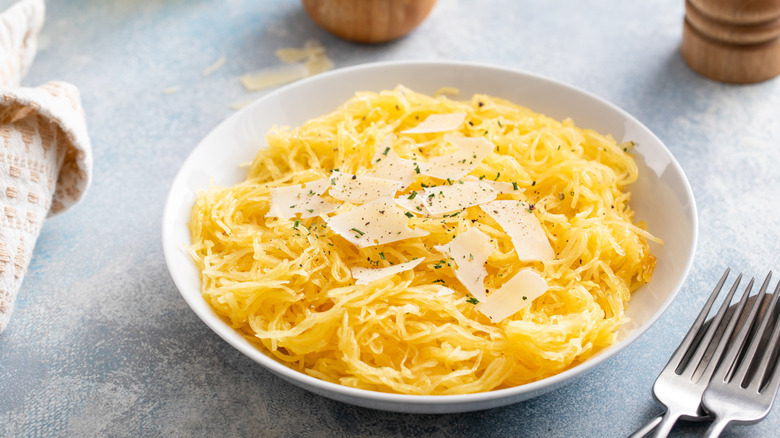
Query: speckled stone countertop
point(102, 344)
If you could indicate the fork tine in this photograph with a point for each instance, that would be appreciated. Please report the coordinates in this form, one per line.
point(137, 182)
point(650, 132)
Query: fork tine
point(715, 323)
point(770, 388)
point(682, 349)
point(729, 361)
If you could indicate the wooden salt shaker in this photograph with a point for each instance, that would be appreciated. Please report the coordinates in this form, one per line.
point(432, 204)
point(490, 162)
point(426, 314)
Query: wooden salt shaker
point(736, 41)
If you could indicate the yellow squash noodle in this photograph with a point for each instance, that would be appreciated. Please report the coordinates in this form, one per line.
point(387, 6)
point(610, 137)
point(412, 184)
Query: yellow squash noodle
point(285, 284)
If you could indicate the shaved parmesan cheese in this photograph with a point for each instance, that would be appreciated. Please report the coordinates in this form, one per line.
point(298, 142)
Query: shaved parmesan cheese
point(286, 202)
point(311, 56)
point(444, 291)
point(471, 151)
point(517, 293)
point(470, 251)
point(375, 223)
point(523, 228)
point(214, 67)
point(504, 188)
point(274, 76)
point(444, 199)
point(438, 123)
point(414, 202)
point(311, 49)
point(318, 64)
point(359, 189)
point(300, 63)
point(367, 275)
point(388, 165)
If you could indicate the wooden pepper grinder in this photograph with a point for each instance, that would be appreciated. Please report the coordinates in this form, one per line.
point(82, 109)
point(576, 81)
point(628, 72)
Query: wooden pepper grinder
point(736, 41)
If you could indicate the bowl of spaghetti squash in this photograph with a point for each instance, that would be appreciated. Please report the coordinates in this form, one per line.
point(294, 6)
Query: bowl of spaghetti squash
point(429, 237)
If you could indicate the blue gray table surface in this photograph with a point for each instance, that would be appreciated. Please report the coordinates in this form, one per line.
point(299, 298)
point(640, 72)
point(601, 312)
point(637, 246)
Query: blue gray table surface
point(102, 344)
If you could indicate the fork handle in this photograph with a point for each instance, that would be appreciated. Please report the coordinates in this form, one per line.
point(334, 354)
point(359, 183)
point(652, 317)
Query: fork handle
point(716, 427)
point(666, 424)
point(647, 428)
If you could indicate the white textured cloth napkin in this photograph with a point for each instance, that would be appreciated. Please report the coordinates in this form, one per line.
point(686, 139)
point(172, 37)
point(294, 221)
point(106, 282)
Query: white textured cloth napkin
point(45, 154)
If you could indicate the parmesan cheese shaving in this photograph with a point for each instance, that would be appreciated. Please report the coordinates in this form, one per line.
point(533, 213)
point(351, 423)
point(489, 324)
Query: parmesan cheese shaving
point(438, 123)
point(299, 63)
point(471, 151)
point(311, 48)
point(215, 66)
point(516, 294)
point(470, 251)
point(460, 195)
point(274, 76)
point(376, 223)
point(289, 201)
point(444, 291)
point(388, 165)
point(367, 275)
point(414, 202)
point(501, 187)
point(311, 56)
point(318, 64)
point(359, 189)
point(523, 227)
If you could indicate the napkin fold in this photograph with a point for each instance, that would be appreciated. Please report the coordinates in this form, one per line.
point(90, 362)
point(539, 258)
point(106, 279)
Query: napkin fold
point(45, 153)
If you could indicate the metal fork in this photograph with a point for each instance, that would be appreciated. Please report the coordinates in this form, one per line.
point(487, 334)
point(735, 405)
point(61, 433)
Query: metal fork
point(745, 384)
point(682, 382)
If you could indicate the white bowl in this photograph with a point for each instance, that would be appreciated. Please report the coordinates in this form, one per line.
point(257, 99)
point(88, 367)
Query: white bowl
point(662, 197)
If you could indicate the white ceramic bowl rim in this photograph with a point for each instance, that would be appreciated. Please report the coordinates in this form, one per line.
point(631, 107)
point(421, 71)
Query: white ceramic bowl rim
point(172, 246)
